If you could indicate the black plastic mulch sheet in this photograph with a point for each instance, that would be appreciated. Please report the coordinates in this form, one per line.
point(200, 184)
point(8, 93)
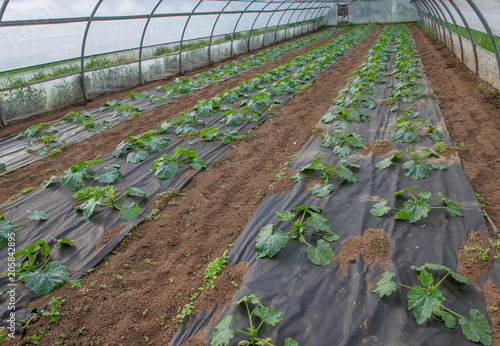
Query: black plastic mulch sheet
point(64, 221)
point(323, 307)
point(13, 151)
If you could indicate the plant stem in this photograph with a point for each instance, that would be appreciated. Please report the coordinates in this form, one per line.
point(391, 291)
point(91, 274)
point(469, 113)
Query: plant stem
point(444, 277)
point(22, 223)
point(453, 312)
point(397, 283)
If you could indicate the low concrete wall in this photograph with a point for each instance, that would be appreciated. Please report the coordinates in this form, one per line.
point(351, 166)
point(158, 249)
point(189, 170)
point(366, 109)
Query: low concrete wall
point(52, 94)
point(487, 64)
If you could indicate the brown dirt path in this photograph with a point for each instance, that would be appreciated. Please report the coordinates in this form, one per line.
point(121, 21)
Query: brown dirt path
point(470, 108)
point(152, 273)
point(105, 142)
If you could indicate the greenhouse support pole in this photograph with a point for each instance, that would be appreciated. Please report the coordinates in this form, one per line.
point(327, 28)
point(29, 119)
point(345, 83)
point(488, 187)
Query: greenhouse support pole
point(423, 15)
point(84, 41)
point(144, 35)
point(436, 5)
point(315, 15)
point(2, 116)
point(488, 31)
point(2, 9)
point(473, 43)
point(279, 21)
point(425, 19)
point(184, 32)
point(437, 17)
point(456, 28)
point(304, 20)
point(289, 19)
point(255, 21)
point(236, 25)
point(212, 32)
point(430, 22)
point(433, 18)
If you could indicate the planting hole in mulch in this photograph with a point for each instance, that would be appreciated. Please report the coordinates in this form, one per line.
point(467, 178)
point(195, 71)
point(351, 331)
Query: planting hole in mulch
point(475, 256)
point(373, 245)
point(379, 148)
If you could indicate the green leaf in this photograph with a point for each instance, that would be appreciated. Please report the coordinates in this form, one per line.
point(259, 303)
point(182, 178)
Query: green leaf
point(88, 208)
point(135, 191)
point(37, 215)
point(380, 208)
point(320, 190)
point(341, 151)
point(331, 237)
point(438, 166)
point(356, 140)
point(296, 178)
point(45, 280)
point(402, 215)
point(166, 170)
point(6, 228)
point(385, 286)
point(66, 241)
point(137, 156)
point(198, 164)
point(269, 316)
point(416, 210)
point(346, 173)
point(316, 164)
point(425, 195)
point(3, 167)
point(385, 163)
point(451, 206)
point(327, 139)
point(290, 342)
point(436, 135)
point(269, 241)
point(400, 192)
point(157, 143)
point(109, 174)
point(328, 117)
point(233, 119)
point(404, 135)
point(447, 318)
point(73, 180)
point(223, 333)
point(457, 277)
point(424, 304)
point(318, 222)
point(425, 278)
point(476, 329)
point(321, 254)
point(130, 211)
point(284, 215)
point(417, 169)
point(252, 297)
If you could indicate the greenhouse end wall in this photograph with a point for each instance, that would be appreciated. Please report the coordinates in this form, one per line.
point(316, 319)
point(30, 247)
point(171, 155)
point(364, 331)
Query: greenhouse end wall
point(52, 94)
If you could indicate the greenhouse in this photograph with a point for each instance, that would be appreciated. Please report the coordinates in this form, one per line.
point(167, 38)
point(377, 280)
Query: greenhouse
point(249, 172)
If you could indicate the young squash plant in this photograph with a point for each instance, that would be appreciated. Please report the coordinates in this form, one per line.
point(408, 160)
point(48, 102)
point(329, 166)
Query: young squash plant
point(138, 145)
point(34, 130)
point(86, 119)
point(215, 134)
point(47, 141)
point(106, 198)
point(327, 173)
point(344, 116)
point(340, 140)
point(167, 167)
point(234, 117)
point(109, 105)
point(271, 240)
point(407, 127)
point(7, 227)
point(426, 301)
point(415, 208)
point(415, 168)
point(40, 275)
point(126, 111)
point(223, 333)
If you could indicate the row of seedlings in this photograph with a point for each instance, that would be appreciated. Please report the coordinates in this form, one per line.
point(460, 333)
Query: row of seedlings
point(84, 184)
point(76, 126)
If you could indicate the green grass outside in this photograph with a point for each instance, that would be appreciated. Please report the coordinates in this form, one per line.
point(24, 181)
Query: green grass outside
point(482, 39)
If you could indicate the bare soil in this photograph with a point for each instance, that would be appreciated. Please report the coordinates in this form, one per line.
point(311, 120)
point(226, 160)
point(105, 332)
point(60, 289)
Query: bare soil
point(373, 246)
point(105, 142)
point(134, 294)
point(475, 256)
point(492, 294)
point(470, 108)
